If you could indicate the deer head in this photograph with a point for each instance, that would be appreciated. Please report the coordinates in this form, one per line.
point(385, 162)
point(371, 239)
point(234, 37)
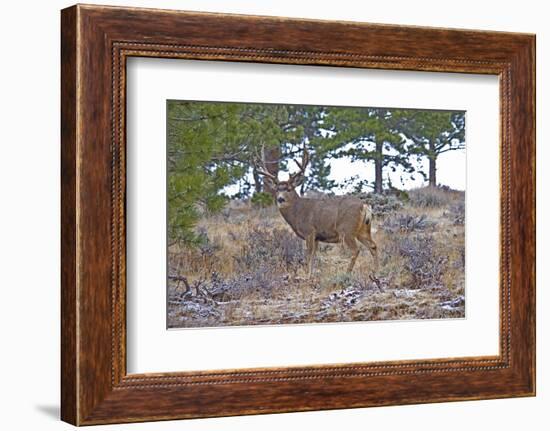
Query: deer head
point(285, 191)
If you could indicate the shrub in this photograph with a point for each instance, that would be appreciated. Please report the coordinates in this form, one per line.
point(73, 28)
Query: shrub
point(456, 213)
point(430, 197)
point(382, 204)
point(342, 279)
point(273, 246)
point(261, 200)
point(402, 195)
point(406, 223)
point(425, 266)
point(205, 245)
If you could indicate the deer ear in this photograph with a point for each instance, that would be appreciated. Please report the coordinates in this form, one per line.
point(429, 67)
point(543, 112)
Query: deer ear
point(270, 181)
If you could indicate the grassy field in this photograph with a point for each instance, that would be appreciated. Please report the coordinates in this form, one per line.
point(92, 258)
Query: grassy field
point(250, 269)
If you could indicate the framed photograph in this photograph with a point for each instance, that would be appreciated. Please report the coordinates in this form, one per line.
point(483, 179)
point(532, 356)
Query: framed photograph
point(263, 214)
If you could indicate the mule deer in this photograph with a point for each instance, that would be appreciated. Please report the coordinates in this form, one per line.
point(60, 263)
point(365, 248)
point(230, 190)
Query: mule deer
point(342, 219)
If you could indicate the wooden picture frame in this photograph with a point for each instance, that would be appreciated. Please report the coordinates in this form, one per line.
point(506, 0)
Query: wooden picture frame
point(95, 43)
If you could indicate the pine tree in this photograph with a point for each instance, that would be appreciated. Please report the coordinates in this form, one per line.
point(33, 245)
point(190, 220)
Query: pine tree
point(203, 157)
point(432, 134)
point(366, 134)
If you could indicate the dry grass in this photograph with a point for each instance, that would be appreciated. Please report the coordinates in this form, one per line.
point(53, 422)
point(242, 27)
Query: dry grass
point(251, 268)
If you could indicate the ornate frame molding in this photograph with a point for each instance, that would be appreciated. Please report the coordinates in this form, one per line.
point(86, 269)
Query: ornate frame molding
point(96, 41)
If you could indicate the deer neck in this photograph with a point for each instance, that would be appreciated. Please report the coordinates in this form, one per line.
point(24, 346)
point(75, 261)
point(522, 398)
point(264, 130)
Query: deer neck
point(291, 212)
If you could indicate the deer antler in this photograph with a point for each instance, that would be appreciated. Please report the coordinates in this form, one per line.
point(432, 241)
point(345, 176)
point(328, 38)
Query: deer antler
point(302, 166)
point(260, 167)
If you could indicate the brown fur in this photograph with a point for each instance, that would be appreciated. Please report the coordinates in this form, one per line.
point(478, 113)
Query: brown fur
point(332, 220)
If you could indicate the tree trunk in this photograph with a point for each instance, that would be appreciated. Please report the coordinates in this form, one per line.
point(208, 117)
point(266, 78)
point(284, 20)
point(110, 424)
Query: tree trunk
point(378, 168)
point(432, 172)
point(271, 162)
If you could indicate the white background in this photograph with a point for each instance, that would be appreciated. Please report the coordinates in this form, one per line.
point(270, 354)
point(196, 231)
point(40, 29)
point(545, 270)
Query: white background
point(153, 349)
point(29, 214)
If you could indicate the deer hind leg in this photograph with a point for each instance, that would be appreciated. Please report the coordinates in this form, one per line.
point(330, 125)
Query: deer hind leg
point(351, 243)
point(311, 244)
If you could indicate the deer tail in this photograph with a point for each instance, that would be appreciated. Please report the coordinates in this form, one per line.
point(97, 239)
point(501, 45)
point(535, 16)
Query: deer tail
point(367, 215)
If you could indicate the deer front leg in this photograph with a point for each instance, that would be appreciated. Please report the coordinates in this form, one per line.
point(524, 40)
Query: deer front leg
point(367, 241)
point(311, 244)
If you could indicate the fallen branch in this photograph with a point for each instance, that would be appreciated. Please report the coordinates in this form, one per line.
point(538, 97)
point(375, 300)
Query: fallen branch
point(188, 287)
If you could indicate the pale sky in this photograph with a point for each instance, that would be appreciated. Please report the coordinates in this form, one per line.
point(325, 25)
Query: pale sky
point(451, 171)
